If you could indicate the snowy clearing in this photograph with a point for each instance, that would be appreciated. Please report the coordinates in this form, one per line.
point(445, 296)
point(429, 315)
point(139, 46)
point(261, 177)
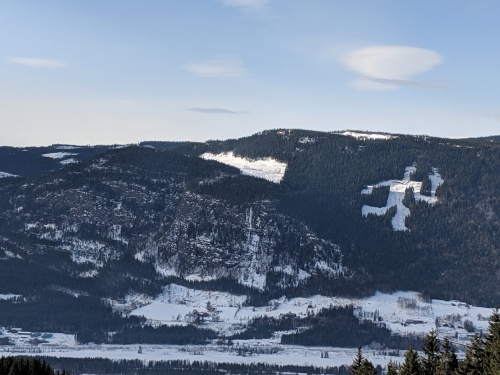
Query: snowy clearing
point(68, 161)
point(58, 155)
point(66, 147)
point(267, 168)
point(360, 135)
point(397, 189)
point(9, 296)
point(5, 174)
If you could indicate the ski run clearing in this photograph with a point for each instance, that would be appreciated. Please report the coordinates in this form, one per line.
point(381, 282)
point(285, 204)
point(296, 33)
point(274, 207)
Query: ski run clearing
point(267, 168)
point(402, 312)
point(397, 189)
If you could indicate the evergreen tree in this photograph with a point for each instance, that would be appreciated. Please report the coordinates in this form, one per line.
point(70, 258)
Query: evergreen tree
point(411, 365)
point(391, 368)
point(473, 363)
point(426, 187)
point(357, 363)
point(448, 362)
point(367, 368)
point(492, 345)
point(431, 354)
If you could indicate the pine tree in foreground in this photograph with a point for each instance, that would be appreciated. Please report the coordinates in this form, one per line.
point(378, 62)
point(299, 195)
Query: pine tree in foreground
point(492, 346)
point(448, 362)
point(411, 365)
point(391, 368)
point(431, 354)
point(362, 366)
point(473, 363)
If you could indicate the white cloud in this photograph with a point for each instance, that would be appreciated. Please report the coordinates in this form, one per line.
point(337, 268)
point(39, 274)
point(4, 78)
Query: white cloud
point(388, 67)
point(248, 5)
point(216, 111)
point(39, 63)
point(224, 67)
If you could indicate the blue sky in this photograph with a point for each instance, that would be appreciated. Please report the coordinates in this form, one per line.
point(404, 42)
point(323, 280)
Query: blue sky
point(122, 71)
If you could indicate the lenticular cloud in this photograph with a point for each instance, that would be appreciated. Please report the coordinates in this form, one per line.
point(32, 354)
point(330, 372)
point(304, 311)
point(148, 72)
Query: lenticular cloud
point(386, 67)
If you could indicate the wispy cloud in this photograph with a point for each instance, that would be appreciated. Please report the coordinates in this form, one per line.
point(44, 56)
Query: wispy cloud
point(224, 67)
point(389, 67)
point(493, 114)
point(39, 63)
point(246, 5)
point(216, 111)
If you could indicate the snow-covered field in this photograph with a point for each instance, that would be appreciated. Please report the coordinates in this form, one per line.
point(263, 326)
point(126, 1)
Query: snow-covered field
point(267, 168)
point(281, 354)
point(402, 312)
point(397, 189)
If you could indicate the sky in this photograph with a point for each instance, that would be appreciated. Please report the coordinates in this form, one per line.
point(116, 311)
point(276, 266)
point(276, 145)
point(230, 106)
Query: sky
point(124, 71)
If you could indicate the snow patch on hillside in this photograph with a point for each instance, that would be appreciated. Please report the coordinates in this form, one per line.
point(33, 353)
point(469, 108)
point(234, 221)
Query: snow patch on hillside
point(267, 168)
point(5, 174)
point(68, 161)
point(58, 155)
point(360, 135)
point(9, 296)
point(305, 140)
point(66, 147)
point(397, 190)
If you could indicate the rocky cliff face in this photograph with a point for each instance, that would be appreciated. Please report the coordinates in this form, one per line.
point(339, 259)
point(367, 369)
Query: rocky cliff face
point(106, 210)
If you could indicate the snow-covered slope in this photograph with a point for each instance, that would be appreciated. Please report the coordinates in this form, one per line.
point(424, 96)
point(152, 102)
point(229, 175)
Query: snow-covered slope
point(360, 135)
point(58, 155)
point(267, 168)
point(397, 190)
point(5, 174)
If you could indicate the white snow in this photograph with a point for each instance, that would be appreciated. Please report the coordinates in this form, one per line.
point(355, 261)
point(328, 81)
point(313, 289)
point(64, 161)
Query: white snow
point(305, 140)
point(284, 354)
point(66, 147)
point(401, 312)
point(360, 135)
point(397, 189)
point(9, 296)
point(58, 155)
point(5, 174)
point(68, 161)
point(409, 313)
point(267, 168)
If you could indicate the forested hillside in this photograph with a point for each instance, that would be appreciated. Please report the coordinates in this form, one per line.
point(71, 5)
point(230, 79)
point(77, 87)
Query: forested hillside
point(135, 219)
point(452, 247)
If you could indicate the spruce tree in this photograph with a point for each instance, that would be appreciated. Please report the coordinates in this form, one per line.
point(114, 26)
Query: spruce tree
point(473, 363)
point(492, 346)
point(411, 365)
point(448, 362)
point(357, 363)
point(391, 368)
point(431, 354)
point(367, 368)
